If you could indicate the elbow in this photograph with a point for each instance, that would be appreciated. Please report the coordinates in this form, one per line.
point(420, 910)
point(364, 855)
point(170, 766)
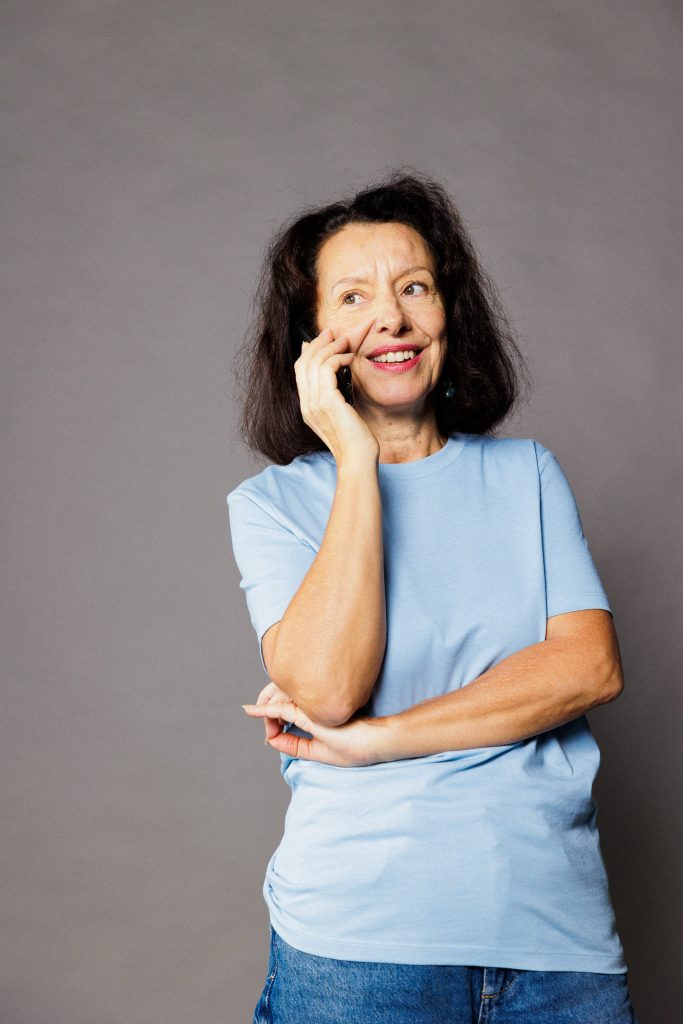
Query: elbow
point(327, 707)
point(615, 686)
point(325, 693)
point(332, 708)
point(323, 708)
point(331, 716)
point(612, 682)
point(615, 675)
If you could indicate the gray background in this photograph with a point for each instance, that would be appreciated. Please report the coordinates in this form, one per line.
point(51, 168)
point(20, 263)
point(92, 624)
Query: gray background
point(151, 148)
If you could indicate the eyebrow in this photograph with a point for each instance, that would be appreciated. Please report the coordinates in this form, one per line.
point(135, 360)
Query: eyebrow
point(360, 280)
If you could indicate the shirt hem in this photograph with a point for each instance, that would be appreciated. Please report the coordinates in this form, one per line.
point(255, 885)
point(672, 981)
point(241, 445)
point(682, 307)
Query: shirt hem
point(579, 603)
point(449, 954)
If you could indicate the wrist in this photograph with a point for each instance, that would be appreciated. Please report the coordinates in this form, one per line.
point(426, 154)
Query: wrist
point(405, 735)
point(386, 738)
point(356, 465)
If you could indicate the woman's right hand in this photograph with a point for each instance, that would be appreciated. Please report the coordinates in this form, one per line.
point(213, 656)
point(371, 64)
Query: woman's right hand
point(323, 407)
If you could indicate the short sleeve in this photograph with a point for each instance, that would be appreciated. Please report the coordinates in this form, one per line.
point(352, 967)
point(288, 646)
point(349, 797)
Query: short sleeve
point(571, 578)
point(271, 559)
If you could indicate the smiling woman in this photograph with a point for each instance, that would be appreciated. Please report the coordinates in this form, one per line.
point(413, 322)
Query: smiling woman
point(398, 288)
point(434, 628)
point(427, 244)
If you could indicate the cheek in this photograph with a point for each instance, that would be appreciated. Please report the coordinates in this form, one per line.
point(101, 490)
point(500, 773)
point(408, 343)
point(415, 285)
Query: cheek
point(433, 321)
point(438, 360)
point(334, 318)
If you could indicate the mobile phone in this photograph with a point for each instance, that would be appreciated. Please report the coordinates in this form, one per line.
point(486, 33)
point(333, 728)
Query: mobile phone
point(343, 373)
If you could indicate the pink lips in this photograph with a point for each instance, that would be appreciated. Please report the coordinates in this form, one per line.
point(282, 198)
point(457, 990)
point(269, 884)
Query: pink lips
point(403, 367)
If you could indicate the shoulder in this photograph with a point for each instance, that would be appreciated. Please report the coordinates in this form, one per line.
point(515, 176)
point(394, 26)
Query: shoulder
point(511, 465)
point(282, 490)
point(512, 451)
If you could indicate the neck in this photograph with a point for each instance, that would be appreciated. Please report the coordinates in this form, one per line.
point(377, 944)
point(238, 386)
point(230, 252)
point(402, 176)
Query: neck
point(401, 446)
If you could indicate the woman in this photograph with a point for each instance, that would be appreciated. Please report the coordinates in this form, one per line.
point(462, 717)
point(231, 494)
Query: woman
point(434, 627)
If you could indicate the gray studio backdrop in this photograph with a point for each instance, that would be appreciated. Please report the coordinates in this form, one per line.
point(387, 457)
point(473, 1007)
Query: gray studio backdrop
point(150, 150)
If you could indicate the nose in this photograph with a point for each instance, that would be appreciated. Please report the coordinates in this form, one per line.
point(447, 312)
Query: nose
point(391, 316)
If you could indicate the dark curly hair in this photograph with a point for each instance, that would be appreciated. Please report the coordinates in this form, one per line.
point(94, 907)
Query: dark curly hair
point(482, 357)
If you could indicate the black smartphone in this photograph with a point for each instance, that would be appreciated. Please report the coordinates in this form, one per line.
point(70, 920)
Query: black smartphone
point(343, 373)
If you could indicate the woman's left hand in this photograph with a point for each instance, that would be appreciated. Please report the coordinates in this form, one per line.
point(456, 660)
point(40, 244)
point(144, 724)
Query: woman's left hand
point(355, 743)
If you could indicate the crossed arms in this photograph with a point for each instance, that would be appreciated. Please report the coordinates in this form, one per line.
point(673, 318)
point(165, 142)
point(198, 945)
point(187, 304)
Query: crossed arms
point(576, 667)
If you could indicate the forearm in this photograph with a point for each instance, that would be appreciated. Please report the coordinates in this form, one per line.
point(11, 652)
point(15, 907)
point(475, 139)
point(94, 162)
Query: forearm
point(330, 643)
point(533, 690)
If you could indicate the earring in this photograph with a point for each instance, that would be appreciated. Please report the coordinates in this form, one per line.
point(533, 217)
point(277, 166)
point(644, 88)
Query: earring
point(448, 389)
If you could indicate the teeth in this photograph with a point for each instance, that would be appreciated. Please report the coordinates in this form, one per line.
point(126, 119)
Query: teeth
point(394, 357)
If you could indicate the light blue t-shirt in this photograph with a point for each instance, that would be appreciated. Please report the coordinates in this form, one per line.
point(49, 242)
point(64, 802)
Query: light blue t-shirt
point(485, 856)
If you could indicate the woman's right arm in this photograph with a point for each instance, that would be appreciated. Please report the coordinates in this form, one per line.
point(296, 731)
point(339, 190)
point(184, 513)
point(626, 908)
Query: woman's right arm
point(327, 650)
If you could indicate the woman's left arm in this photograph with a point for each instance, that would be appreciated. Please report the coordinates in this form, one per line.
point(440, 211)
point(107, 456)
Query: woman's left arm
point(577, 667)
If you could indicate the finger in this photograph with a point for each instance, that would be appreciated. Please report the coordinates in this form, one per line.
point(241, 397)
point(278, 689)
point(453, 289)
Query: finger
point(264, 697)
point(300, 374)
point(347, 342)
point(333, 347)
point(358, 334)
point(272, 690)
point(288, 712)
point(273, 726)
point(303, 747)
point(312, 369)
point(327, 380)
point(276, 709)
point(269, 692)
point(309, 348)
point(354, 333)
point(292, 745)
point(323, 366)
point(303, 384)
point(321, 339)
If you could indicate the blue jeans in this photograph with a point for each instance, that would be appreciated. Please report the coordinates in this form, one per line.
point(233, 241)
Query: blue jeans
point(304, 989)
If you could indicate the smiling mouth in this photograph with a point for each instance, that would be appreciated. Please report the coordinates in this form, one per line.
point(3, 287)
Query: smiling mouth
point(398, 356)
point(396, 362)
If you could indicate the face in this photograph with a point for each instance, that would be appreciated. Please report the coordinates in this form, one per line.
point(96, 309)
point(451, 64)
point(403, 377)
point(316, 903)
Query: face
point(393, 293)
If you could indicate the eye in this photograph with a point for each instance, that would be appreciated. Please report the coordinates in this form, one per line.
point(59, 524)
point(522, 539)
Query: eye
point(411, 284)
point(420, 284)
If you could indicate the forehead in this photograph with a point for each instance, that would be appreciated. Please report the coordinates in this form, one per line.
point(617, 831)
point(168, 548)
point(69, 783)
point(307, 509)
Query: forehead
point(366, 249)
